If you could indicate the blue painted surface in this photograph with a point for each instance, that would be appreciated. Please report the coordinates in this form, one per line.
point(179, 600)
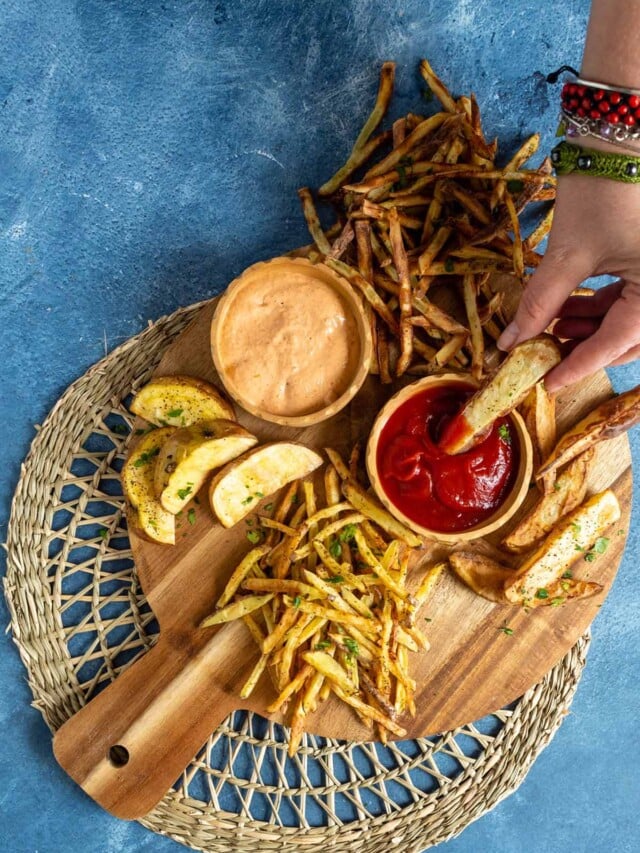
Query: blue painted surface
point(148, 153)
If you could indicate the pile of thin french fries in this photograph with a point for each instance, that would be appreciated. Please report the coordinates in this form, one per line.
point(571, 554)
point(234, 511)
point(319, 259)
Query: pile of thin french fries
point(433, 208)
point(325, 597)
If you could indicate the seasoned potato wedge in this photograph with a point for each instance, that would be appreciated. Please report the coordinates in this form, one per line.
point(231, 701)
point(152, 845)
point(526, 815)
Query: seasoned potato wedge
point(137, 483)
point(607, 420)
point(191, 453)
point(525, 365)
point(538, 410)
point(572, 537)
point(483, 575)
point(565, 590)
point(180, 401)
point(568, 493)
point(240, 485)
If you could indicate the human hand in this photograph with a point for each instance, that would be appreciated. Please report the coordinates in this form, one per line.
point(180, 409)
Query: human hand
point(596, 231)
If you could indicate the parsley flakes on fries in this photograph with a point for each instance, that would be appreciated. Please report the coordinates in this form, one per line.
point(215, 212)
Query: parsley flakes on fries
point(429, 204)
point(326, 600)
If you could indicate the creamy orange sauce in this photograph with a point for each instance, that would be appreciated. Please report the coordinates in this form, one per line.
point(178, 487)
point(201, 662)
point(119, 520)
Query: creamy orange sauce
point(289, 344)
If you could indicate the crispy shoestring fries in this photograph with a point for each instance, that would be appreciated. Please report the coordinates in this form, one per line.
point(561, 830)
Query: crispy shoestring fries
point(327, 602)
point(425, 206)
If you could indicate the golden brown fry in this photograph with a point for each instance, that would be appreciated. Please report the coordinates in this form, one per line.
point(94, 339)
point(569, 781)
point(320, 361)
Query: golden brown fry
point(331, 669)
point(402, 266)
point(292, 687)
point(240, 573)
point(313, 222)
point(438, 88)
point(450, 350)
point(518, 257)
point(249, 685)
point(539, 232)
point(376, 513)
point(367, 289)
point(476, 338)
point(538, 410)
point(428, 582)
point(341, 244)
point(236, 610)
point(403, 150)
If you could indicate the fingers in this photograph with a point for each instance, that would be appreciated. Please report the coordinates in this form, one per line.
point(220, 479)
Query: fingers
point(617, 336)
point(547, 290)
point(592, 306)
point(630, 355)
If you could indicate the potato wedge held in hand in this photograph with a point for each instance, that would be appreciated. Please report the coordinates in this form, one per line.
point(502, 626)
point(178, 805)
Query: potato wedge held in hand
point(573, 537)
point(191, 453)
point(236, 489)
point(138, 486)
point(568, 492)
point(525, 365)
point(180, 401)
point(607, 420)
point(483, 575)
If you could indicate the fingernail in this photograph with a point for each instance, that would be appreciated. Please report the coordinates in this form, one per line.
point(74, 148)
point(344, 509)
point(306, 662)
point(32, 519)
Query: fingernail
point(509, 337)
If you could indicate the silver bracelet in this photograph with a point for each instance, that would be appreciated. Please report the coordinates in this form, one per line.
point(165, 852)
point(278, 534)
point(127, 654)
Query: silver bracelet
point(594, 85)
point(575, 126)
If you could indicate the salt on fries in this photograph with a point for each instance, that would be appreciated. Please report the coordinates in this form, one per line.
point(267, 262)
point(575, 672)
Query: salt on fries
point(326, 600)
point(430, 220)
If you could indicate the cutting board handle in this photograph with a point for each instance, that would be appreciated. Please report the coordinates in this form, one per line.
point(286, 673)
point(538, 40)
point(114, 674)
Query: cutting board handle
point(130, 743)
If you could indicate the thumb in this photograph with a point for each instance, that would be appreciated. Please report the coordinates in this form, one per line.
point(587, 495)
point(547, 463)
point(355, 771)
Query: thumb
point(557, 276)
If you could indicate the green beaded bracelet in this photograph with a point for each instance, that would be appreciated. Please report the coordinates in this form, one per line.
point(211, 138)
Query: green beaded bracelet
point(567, 158)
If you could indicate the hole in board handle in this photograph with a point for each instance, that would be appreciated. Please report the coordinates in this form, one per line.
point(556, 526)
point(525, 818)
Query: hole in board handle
point(118, 755)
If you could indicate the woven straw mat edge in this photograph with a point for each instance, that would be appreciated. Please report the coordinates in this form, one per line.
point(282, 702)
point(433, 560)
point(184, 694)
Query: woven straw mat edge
point(38, 633)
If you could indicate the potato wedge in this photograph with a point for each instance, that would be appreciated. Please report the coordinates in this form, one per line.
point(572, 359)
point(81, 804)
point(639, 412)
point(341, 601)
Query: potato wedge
point(538, 410)
point(191, 453)
point(236, 489)
point(180, 401)
point(569, 491)
point(480, 573)
point(137, 484)
point(525, 365)
point(607, 420)
point(574, 536)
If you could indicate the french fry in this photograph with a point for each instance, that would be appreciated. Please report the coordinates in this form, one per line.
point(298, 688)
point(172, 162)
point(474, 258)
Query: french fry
point(476, 337)
point(236, 610)
point(251, 682)
point(313, 222)
point(373, 511)
point(240, 573)
point(402, 266)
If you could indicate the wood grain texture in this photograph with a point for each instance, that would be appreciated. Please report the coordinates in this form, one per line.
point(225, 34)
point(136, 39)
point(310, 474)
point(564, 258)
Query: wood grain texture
point(164, 707)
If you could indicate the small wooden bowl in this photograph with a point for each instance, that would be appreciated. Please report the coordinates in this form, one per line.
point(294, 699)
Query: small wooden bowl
point(510, 504)
point(297, 271)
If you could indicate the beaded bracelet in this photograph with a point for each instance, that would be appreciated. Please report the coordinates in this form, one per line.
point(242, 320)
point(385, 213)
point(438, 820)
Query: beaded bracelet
point(567, 158)
point(588, 108)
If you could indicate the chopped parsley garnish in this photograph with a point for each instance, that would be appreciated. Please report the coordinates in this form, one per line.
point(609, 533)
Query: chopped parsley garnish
point(335, 579)
point(323, 644)
point(297, 601)
point(351, 646)
point(268, 507)
point(542, 593)
point(347, 533)
point(258, 494)
point(247, 500)
point(576, 527)
point(515, 186)
point(556, 487)
point(254, 536)
point(335, 549)
point(601, 545)
point(504, 433)
point(191, 516)
point(145, 457)
point(175, 413)
point(506, 630)
point(449, 265)
point(556, 602)
point(567, 574)
point(184, 493)
point(428, 619)
point(120, 428)
point(589, 557)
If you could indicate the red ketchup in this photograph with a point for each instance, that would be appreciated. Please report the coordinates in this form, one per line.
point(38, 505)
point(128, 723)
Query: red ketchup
point(444, 493)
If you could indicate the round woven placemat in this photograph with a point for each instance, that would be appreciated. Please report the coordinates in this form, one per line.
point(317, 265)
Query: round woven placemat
point(79, 617)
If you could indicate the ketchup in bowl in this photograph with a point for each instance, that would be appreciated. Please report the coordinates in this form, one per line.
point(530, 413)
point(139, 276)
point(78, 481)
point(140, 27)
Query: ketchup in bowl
point(437, 491)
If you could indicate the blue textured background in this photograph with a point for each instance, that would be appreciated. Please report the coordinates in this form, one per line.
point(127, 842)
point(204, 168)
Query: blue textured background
point(148, 153)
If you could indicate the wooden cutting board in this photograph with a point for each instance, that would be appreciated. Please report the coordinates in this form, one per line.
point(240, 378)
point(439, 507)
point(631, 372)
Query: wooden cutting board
point(132, 741)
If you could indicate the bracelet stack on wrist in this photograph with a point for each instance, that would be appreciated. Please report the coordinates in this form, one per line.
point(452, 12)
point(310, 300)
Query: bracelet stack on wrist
point(601, 111)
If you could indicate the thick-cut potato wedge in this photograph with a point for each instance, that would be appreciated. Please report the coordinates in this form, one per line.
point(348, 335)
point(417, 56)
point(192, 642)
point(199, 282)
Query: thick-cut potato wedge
point(137, 484)
point(525, 365)
point(236, 489)
point(180, 401)
point(607, 420)
point(569, 491)
point(191, 453)
point(538, 410)
point(565, 590)
point(484, 576)
point(573, 536)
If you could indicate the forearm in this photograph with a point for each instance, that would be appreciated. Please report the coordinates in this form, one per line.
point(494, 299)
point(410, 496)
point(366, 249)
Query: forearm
point(611, 52)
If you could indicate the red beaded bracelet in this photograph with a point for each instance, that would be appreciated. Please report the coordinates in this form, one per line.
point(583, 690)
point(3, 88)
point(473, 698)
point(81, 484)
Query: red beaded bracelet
point(601, 111)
